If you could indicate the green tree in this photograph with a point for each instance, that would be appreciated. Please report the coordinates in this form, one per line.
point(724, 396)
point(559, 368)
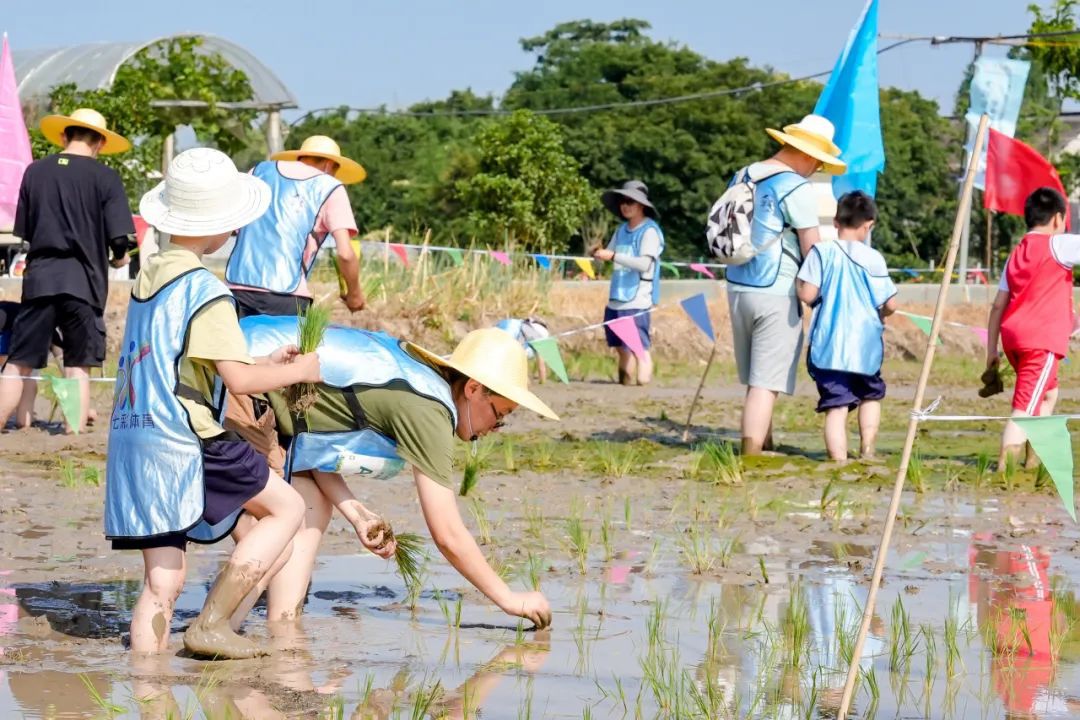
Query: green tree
point(174, 69)
point(523, 185)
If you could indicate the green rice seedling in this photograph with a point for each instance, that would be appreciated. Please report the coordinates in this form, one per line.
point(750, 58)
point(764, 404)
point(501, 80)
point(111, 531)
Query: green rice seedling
point(67, 473)
point(654, 554)
point(426, 698)
point(91, 475)
point(627, 512)
point(718, 464)
point(483, 525)
point(796, 625)
point(952, 646)
point(578, 537)
point(534, 521)
point(411, 560)
point(311, 325)
point(930, 657)
point(534, 566)
point(106, 706)
point(614, 460)
point(916, 472)
point(334, 710)
point(525, 709)
point(509, 462)
point(870, 680)
point(764, 571)
point(607, 538)
point(902, 644)
point(726, 550)
point(1008, 472)
point(698, 550)
point(470, 476)
point(542, 456)
point(982, 469)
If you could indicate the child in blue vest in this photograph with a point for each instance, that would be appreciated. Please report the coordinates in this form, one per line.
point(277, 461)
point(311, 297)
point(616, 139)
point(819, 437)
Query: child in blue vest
point(848, 285)
point(635, 250)
point(173, 473)
point(523, 330)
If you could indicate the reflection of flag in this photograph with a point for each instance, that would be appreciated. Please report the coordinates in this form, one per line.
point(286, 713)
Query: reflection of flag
point(1013, 171)
point(997, 90)
point(850, 100)
point(14, 140)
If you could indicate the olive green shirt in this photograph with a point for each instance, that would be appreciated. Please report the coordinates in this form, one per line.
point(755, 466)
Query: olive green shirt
point(422, 428)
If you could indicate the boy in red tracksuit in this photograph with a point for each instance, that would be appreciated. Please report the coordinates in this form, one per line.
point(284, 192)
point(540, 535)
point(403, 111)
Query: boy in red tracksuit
point(1033, 312)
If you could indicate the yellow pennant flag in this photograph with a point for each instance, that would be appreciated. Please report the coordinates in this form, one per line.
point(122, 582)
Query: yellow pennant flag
point(586, 267)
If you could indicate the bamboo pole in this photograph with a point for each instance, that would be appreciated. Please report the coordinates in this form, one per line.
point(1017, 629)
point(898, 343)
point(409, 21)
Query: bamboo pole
point(962, 218)
point(697, 395)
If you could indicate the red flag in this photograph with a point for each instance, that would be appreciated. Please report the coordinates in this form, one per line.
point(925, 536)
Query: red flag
point(1013, 171)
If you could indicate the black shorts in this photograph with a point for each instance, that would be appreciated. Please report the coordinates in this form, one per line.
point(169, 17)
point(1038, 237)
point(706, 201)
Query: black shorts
point(250, 302)
point(233, 473)
point(837, 389)
point(81, 327)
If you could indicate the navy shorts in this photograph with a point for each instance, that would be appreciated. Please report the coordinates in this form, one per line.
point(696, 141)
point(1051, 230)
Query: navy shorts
point(843, 389)
point(251, 302)
point(641, 320)
point(233, 473)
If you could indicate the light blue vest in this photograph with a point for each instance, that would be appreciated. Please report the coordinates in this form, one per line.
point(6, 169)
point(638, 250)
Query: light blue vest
point(762, 271)
point(846, 332)
point(349, 357)
point(624, 280)
point(154, 467)
point(269, 252)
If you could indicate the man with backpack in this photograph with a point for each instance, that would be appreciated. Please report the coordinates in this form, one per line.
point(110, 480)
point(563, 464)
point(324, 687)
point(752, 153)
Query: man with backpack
point(762, 227)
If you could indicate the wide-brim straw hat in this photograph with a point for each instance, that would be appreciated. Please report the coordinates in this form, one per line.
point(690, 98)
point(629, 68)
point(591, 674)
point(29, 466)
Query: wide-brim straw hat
point(349, 171)
point(494, 359)
point(632, 189)
point(813, 136)
point(204, 194)
point(53, 127)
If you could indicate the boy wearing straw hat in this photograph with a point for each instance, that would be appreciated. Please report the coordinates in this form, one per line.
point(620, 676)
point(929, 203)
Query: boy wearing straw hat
point(634, 249)
point(382, 403)
point(173, 473)
point(72, 212)
point(269, 266)
point(766, 318)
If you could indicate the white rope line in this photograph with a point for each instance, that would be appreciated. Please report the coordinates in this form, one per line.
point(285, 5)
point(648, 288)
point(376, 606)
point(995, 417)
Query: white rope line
point(927, 414)
point(54, 377)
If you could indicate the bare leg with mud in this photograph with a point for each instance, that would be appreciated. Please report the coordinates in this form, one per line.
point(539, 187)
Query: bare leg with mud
point(757, 419)
point(836, 433)
point(644, 368)
point(280, 512)
point(163, 579)
point(11, 388)
point(627, 366)
point(243, 527)
point(869, 422)
point(288, 588)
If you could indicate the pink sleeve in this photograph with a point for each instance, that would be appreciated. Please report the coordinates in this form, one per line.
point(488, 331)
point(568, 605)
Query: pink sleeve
point(336, 213)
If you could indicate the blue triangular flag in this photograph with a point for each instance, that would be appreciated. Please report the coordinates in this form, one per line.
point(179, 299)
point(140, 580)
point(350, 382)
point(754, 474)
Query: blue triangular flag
point(543, 261)
point(851, 101)
point(698, 311)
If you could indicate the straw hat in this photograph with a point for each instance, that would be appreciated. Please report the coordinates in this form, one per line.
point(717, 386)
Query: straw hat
point(813, 136)
point(204, 194)
point(494, 359)
point(53, 126)
point(633, 189)
point(349, 171)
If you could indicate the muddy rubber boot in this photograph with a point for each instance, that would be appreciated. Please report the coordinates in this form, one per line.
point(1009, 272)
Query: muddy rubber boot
point(210, 635)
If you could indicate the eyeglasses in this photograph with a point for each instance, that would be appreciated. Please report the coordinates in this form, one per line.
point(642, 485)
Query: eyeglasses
point(498, 418)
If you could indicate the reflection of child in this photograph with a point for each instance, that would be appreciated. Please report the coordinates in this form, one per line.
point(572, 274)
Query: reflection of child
point(523, 331)
point(848, 285)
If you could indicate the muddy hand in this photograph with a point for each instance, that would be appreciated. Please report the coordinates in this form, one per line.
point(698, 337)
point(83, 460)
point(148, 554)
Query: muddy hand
point(374, 533)
point(531, 606)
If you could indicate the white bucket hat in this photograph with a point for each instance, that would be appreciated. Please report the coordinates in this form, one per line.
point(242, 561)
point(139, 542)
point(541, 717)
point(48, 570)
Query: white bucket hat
point(204, 194)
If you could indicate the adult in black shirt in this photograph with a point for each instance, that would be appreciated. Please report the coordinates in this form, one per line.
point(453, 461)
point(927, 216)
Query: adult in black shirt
point(72, 211)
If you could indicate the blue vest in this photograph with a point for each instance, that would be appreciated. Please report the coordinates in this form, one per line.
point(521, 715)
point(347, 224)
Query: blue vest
point(349, 357)
point(624, 280)
point(269, 253)
point(154, 467)
point(846, 332)
point(762, 271)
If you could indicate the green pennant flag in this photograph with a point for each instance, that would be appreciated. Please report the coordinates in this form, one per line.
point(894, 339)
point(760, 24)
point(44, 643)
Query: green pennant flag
point(674, 270)
point(455, 255)
point(1050, 439)
point(69, 398)
point(923, 323)
point(548, 350)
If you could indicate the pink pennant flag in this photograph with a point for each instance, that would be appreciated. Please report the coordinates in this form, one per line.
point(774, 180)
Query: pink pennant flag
point(500, 256)
point(401, 252)
point(14, 140)
point(702, 269)
point(626, 330)
point(981, 334)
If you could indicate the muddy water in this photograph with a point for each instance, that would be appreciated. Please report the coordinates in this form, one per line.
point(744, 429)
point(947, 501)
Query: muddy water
point(985, 599)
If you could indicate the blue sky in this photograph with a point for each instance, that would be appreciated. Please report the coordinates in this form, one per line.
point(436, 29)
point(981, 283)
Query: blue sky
point(396, 52)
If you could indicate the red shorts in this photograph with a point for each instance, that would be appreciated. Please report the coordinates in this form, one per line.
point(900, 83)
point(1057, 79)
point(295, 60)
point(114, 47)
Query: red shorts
point(1036, 375)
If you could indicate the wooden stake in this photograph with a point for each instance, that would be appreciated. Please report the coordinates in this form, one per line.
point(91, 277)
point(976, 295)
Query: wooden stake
point(989, 260)
point(962, 215)
point(697, 395)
